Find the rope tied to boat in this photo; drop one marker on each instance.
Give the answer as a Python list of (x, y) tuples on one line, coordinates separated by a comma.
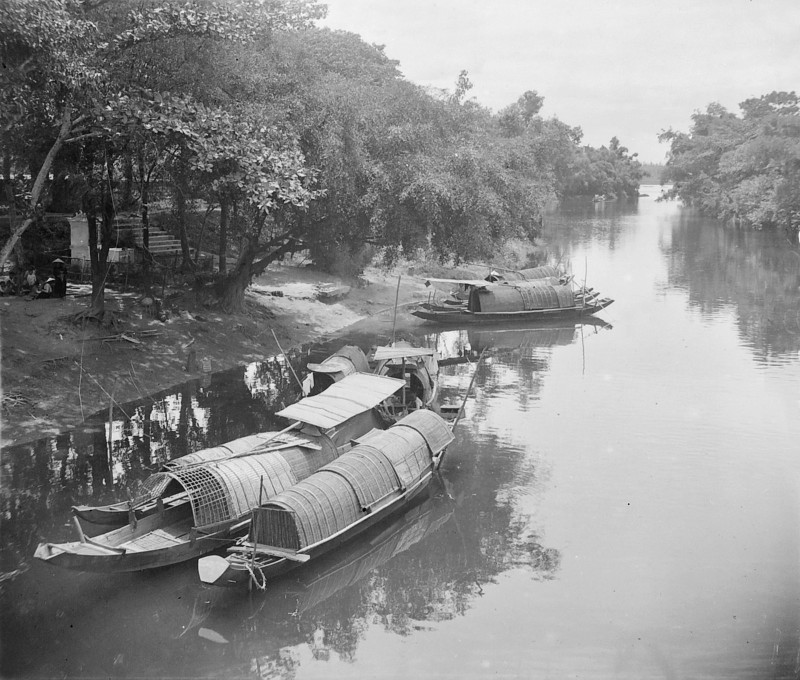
[(259, 581)]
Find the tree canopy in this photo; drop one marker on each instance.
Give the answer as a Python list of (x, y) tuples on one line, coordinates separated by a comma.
[(294, 137), (742, 167)]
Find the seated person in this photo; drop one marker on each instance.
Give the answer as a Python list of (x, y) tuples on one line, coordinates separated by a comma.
[(29, 281), (6, 285), (46, 290)]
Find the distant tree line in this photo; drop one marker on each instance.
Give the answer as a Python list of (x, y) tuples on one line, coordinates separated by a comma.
[(283, 136), (608, 171), (743, 167)]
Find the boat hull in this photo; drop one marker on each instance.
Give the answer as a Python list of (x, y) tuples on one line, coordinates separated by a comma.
[(463, 316), (78, 556), (220, 571)]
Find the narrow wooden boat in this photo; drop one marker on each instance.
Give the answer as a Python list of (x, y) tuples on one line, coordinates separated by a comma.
[(417, 367), (340, 569), (523, 301), (376, 479), (198, 507), (458, 290)]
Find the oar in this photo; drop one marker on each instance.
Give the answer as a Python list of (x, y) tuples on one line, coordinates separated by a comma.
[(268, 439), (286, 358), (463, 403), (469, 389), (396, 299)]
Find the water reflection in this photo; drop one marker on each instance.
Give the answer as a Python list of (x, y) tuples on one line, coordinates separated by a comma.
[(757, 272), (603, 505), (427, 567)]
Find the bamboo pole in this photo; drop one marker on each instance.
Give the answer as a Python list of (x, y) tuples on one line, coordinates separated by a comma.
[(286, 358), (396, 300)]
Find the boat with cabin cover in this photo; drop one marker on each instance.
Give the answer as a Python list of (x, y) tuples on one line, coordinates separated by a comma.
[(199, 507), (458, 289), (522, 301), (306, 589), (377, 478)]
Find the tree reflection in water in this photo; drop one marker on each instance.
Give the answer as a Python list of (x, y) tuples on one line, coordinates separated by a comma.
[(427, 568)]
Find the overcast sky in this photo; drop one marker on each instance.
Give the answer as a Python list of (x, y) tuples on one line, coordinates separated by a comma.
[(629, 68)]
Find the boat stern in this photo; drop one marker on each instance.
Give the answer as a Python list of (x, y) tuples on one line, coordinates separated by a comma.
[(215, 570)]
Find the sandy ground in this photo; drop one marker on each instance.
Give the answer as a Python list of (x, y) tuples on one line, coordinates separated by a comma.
[(56, 373)]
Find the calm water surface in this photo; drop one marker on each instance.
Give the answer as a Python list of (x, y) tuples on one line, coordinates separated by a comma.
[(622, 500)]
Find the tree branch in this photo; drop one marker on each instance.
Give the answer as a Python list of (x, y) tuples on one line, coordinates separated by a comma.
[(41, 177)]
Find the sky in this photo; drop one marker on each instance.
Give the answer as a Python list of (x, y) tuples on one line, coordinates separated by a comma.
[(624, 68)]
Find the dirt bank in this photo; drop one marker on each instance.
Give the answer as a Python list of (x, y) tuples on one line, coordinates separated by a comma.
[(56, 373)]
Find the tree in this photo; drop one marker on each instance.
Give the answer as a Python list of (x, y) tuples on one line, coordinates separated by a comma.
[(62, 65), (741, 167), (46, 82)]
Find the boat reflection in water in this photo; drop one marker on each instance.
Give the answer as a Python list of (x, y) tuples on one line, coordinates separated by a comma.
[(465, 345), (311, 586)]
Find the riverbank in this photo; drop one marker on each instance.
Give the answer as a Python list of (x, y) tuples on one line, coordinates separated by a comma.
[(55, 373)]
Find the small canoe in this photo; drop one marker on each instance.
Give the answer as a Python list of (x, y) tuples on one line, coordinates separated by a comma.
[(376, 479), (199, 507)]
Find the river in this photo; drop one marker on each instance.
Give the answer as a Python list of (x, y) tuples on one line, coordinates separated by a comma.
[(622, 499)]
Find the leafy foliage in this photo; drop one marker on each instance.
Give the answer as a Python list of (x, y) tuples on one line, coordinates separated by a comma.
[(607, 171), (304, 138), (741, 167)]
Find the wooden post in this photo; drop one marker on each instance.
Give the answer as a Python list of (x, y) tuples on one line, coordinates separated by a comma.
[(78, 526), (396, 298)]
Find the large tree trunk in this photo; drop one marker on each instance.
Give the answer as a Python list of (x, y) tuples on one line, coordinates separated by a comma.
[(235, 284), (144, 195), (224, 218), (180, 191), (12, 211), (99, 256), (38, 185)]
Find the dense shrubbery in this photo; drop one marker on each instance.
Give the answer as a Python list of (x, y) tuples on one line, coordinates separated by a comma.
[(607, 171), (742, 167)]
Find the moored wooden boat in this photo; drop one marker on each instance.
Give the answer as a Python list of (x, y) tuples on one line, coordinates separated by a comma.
[(458, 289), (523, 301), (330, 574), (373, 481), (200, 506)]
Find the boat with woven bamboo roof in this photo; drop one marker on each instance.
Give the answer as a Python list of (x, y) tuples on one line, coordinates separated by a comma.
[(324, 577), (458, 289), (517, 301), (380, 476), (199, 506)]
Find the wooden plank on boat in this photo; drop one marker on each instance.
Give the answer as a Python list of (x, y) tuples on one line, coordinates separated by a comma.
[(343, 400), (271, 551), (385, 353)]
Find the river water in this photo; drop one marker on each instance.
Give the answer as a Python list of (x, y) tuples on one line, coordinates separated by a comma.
[(622, 499)]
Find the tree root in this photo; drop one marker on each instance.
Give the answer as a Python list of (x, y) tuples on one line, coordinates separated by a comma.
[(105, 318)]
